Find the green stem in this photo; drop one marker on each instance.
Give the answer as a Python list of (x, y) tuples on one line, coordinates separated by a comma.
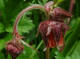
[(26, 44), (36, 49)]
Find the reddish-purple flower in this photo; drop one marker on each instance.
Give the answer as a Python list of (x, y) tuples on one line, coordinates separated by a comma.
[(53, 33), (15, 47), (59, 14), (53, 30)]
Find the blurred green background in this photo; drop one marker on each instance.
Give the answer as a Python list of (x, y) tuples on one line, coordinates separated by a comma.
[(9, 9)]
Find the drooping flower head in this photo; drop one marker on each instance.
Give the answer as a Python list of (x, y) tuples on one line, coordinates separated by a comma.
[(15, 47), (53, 29), (59, 14)]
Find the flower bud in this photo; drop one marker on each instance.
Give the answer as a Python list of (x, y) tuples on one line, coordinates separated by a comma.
[(14, 48)]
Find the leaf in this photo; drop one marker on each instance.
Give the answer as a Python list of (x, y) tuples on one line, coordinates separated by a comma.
[(73, 37), (27, 53), (2, 56), (59, 56), (24, 26), (4, 41), (11, 9), (1, 4), (1, 28), (75, 54), (44, 1)]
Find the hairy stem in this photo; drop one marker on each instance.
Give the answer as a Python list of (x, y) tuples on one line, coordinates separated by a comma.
[(13, 57), (72, 2), (15, 30), (71, 5), (27, 45), (47, 53)]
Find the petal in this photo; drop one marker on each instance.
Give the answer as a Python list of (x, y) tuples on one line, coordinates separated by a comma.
[(60, 45), (51, 41)]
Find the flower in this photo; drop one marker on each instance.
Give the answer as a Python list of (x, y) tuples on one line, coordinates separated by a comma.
[(59, 14), (53, 29), (14, 48), (53, 33)]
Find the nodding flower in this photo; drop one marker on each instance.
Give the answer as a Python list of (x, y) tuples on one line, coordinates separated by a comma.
[(53, 29), (14, 48), (59, 14), (53, 33)]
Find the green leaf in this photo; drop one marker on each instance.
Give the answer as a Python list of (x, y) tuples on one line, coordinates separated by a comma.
[(4, 41), (75, 53), (1, 28), (27, 53), (72, 39), (24, 26), (59, 56), (2, 56), (44, 1), (1, 4)]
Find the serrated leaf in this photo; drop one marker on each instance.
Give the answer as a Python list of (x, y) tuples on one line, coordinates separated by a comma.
[(59, 56), (1, 4), (24, 26), (4, 41), (27, 53)]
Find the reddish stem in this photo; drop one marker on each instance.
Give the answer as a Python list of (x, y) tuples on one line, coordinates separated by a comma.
[(15, 28), (48, 53), (72, 2), (13, 57), (71, 5)]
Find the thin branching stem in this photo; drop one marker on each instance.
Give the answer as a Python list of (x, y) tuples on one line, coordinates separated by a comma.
[(26, 44)]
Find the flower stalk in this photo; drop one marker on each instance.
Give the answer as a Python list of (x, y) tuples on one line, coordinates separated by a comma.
[(48, 53), (72, 2), (34, 6)]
